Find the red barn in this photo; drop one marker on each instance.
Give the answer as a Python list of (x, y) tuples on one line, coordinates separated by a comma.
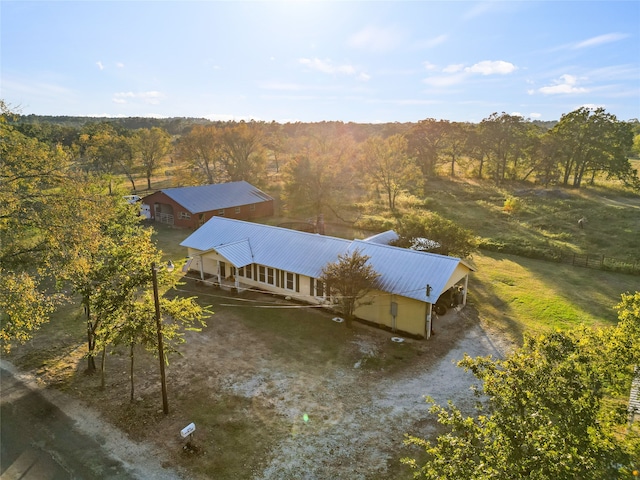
[(191, 207)]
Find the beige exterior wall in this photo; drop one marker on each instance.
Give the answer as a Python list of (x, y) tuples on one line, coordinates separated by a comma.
[(411, 314)]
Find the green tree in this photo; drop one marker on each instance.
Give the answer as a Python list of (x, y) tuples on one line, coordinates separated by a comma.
[(455, 144), (388, 166), (115, 244), (506, 139), (426, 141), (592, 141), (544, 411), (37, 198), (242, 153), (349, 279), (152, 146), (431, 232), (133, 322), (200, 151), (318, 177)]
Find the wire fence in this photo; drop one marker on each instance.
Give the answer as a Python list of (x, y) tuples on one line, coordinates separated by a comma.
[(601, 262)]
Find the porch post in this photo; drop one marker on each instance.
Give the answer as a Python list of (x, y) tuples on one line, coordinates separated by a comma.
[(429, 308), (466, 285), (219, 277), (201, 267)]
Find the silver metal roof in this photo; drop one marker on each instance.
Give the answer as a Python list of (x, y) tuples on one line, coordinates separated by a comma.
[(238, 253), (384, 238), (402, 271), (205, 198)]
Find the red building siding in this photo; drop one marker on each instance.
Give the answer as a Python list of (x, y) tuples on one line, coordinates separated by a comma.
[(169, 211)]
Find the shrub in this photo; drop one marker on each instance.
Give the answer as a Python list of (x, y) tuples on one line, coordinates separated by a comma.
[(511, 205)]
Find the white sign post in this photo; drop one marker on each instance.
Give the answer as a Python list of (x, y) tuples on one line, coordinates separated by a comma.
[(188, 431)]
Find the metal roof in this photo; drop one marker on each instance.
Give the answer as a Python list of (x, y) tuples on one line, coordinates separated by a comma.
[(384, 238), (408, 272), (402, 271), (290, 250), (238, 253), (205, 198)]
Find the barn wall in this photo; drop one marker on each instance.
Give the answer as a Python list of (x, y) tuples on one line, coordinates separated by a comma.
[(180, 214)]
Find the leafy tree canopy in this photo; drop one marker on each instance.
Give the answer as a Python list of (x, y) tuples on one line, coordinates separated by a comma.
[(431, 232), (546, 411), (349, 279)]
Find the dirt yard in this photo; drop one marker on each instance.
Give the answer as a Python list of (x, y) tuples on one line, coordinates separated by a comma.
[(262, 415)]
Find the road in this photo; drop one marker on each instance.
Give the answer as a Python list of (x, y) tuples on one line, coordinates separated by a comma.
[(40, 442)]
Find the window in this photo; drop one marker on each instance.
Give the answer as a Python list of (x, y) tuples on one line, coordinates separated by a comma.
[(289, 284), (320, 289), (221, 212), (237, 210), (270, 276), (261, 274), (241, 272), (249, 271), (184, 216), (252, 208)]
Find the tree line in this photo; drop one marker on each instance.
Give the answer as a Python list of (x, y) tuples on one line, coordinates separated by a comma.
[(320, 165)]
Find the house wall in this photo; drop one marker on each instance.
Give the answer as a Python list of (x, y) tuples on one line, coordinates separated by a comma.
[(185, 219), (411, 314)]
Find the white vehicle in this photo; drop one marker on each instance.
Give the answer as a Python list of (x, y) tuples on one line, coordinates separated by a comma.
[(132, 199)]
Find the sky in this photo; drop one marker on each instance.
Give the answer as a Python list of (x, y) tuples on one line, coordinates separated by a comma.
[(350, 61)]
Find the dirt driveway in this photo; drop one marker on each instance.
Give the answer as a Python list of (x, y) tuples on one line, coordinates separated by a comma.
[(260, 417)]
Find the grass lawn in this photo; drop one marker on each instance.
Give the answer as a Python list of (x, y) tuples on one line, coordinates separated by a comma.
[(518, 295)]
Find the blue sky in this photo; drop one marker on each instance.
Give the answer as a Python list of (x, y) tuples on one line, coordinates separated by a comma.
[(360, 61)]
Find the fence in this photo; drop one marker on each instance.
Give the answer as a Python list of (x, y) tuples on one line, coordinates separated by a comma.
[(601, 262)]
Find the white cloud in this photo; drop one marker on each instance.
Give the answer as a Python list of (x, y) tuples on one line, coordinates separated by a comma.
[(100, 65), (457, 72), (151, 97), (120, 65), (592, 106), (535, 115), (430, 66), (326, 66), (376, 39), (601, 39), (565, 84), (453, 68), (488, 67)]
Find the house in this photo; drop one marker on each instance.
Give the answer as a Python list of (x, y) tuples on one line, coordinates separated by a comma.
[(191, 207), (286, 262)]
